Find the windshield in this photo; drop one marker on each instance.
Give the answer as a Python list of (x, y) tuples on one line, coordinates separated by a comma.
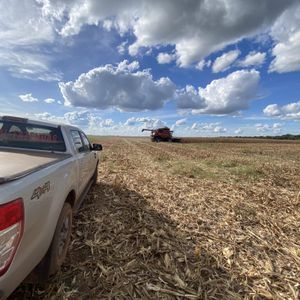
[(30, 136)]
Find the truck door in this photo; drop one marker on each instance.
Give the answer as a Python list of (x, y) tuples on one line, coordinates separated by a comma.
[(83, 158), (92, 156)]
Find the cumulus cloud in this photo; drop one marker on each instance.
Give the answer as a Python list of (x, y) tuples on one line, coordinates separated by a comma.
[(222, 96), (28, 98), (122, 48), (77, 117), (84, 119), (238, 131), (209, 127), (123, 87), (202, 64), (45, 116), (190, 98), (165, 58), (151, 122), (275, 128), (253, 59), (180, 122), (286, 33), (223, 62), (144, 122), (49, 100), (130, 122), (288, 111), (107, 123), (272, 110), (195, 29)]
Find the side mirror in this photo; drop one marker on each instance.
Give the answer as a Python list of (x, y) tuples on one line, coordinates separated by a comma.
[(97, 147)]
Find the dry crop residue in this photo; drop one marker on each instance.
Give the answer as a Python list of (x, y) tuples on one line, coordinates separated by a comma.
[(186, 221)]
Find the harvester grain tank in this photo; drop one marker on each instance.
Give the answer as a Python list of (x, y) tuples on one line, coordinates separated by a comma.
[(163, 134)]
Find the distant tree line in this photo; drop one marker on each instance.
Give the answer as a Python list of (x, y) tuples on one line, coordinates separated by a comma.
[(277, 137)]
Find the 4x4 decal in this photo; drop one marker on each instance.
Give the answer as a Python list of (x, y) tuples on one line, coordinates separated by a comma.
[(39, 191)]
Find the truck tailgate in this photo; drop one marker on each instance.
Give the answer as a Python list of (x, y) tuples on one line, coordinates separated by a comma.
[(15, 164)]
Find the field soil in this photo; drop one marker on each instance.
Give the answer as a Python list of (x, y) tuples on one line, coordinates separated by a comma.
[(202, 220)]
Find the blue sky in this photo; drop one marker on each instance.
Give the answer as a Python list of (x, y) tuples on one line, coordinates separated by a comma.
[(113, 67)]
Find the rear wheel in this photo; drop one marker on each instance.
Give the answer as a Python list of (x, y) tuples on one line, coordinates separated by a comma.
[(61, 240), (57, 251)]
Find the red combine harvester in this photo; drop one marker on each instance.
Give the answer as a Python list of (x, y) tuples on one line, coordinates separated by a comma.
[(163, 134)]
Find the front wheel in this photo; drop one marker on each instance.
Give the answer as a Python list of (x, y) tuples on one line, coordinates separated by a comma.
[(95, 176)]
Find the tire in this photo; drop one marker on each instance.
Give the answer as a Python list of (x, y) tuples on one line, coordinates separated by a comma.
[(61, 240), (55, 255), (95, 176)]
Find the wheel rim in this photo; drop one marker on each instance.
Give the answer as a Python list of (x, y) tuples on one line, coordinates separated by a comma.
[(63, 236)]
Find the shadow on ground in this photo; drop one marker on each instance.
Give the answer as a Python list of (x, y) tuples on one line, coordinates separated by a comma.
[(123, 249)]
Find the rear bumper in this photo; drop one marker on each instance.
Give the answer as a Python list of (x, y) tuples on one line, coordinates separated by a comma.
[(12, 279), (8, 285)]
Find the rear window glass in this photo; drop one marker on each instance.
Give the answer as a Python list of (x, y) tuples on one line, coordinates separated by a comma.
[(25, 135)]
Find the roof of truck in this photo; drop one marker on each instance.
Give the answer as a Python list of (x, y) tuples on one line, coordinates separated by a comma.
[(36, 122)]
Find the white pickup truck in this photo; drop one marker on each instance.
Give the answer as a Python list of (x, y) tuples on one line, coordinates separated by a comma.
[(46, 171)]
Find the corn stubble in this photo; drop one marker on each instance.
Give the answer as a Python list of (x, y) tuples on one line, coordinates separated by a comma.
[(150, 230)]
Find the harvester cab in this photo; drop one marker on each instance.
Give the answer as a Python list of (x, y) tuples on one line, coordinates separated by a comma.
[(163, 134)]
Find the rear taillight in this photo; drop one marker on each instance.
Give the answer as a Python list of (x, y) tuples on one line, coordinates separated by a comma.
[(11, 230)]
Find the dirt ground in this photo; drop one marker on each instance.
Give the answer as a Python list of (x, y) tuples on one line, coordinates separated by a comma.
[(185, 221)]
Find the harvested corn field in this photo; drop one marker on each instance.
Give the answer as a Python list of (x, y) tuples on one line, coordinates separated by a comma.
[(185, 221)]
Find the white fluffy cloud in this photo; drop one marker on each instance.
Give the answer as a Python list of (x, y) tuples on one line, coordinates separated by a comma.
[(253, 59), (272, 110), (222, 96), (84, 119), (190, 98), (122, 47), (107, 123), (28, 98), (209, 127), (238, 131), (180, 122), (165, 58), (144, 122), (49, 101), (288, 111), (78, 118), (276, 127), (128, 89), (286, 33), (130, 122), (151, 122), (202, 64), (123, 87), (196, 28), (223, 62)]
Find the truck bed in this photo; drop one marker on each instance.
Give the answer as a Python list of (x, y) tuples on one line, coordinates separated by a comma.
[(15, 164)]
